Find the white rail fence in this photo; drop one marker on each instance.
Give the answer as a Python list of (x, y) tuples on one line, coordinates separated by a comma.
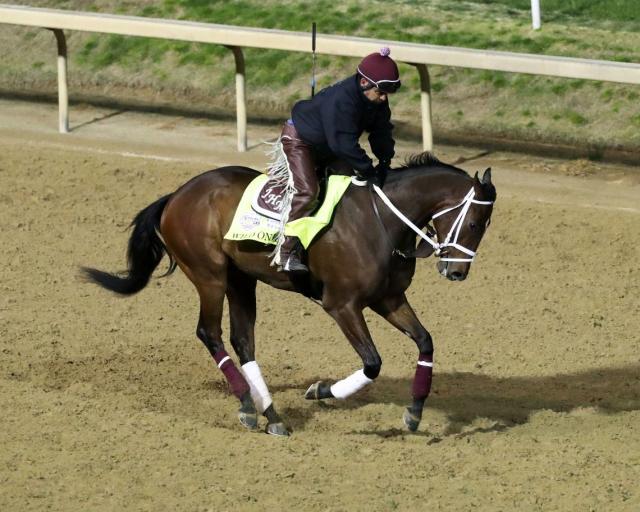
[(236, 38)]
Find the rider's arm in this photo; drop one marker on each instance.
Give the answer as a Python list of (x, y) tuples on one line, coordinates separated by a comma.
[(339, 120), (380, 136)]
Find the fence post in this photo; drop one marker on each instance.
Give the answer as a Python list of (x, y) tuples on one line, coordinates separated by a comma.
[(425, 107), (63, 92), (241, 102), (535, 14)]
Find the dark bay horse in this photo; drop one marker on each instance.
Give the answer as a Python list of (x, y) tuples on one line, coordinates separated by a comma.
[(365, 259)]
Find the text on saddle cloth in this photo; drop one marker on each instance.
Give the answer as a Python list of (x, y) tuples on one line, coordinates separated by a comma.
[(269, 200), (259, 212)]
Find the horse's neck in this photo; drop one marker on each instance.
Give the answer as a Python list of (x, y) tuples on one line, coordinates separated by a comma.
[(419, 196)]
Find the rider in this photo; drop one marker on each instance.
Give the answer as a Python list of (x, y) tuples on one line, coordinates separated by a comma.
[(330, 124)]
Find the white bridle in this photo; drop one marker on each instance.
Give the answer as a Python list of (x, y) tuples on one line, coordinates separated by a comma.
[(451, 239)]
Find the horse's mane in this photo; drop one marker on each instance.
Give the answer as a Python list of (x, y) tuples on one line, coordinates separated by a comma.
[(428, 160), (422, 163)]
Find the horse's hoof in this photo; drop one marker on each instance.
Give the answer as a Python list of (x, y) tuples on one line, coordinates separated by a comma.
[(312, 392), (277, 429), (411, 421), (248, 419), (318, 391)]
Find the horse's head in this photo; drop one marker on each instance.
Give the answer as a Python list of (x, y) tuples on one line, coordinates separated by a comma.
[(460, 228)]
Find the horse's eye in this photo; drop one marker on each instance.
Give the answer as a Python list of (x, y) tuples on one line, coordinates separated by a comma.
[(473, 225)]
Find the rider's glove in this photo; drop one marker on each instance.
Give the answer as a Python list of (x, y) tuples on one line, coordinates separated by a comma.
[(381, 171), (366, 174)]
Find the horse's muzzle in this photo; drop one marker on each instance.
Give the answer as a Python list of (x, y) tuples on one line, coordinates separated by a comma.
[(452, 274)]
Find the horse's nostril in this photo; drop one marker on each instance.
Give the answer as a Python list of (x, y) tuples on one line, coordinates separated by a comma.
[(457, 276)]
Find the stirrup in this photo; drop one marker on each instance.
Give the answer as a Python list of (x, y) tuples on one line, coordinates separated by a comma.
[(293, 264)]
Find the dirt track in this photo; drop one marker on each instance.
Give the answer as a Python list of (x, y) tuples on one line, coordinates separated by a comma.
[(113, 404)]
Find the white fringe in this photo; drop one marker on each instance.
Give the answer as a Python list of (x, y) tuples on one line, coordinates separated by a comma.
[(280, 174)]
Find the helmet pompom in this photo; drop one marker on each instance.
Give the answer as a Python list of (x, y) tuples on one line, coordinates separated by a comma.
[(385, 51)]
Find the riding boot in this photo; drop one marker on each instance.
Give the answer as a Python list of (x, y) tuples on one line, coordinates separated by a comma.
[(291, 255), (302, 172)]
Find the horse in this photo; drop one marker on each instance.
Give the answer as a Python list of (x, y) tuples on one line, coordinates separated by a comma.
[(365, 258)]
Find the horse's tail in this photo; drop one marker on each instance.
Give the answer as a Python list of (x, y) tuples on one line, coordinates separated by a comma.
[(144, 253)]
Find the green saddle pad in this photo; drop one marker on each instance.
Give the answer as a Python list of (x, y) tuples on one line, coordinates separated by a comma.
[(248, 224)]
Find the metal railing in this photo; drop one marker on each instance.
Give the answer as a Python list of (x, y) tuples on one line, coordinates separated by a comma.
[(236, 38)]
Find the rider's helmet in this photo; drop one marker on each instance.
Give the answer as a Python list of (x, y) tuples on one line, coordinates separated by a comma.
[(380, 70)]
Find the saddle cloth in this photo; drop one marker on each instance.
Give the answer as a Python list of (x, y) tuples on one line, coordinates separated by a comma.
[(258, 216), (269, 200)]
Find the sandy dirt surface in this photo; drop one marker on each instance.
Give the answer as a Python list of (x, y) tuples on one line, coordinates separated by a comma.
[(113, 404)]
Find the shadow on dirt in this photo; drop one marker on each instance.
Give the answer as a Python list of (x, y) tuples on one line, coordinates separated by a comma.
[(463, 397), (510, 401), (98, 119)]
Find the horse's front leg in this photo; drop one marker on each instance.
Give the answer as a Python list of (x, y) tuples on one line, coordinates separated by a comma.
[(350, 319), (398, 312)]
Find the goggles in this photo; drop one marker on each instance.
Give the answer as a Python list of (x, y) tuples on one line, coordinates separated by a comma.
[(388, 86)]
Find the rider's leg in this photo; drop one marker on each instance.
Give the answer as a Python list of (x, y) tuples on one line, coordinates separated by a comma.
[(305, 182)]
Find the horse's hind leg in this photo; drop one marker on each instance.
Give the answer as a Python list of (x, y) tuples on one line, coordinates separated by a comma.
[(192, 230), (241, 293), (211, 286)]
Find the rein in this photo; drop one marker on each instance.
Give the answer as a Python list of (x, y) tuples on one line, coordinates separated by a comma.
[(454, 231), (394, 250)]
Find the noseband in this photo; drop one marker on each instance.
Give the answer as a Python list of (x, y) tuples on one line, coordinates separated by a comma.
[(451, 239)]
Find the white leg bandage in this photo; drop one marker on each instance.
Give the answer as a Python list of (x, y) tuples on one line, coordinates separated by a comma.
[(347, 387), (258, 387)]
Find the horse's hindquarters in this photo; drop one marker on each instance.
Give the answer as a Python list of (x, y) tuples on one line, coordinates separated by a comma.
[(199, 213)]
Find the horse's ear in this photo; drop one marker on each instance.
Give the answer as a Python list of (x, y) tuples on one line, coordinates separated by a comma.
[(424, 250), (475, 178), (486, 177)]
